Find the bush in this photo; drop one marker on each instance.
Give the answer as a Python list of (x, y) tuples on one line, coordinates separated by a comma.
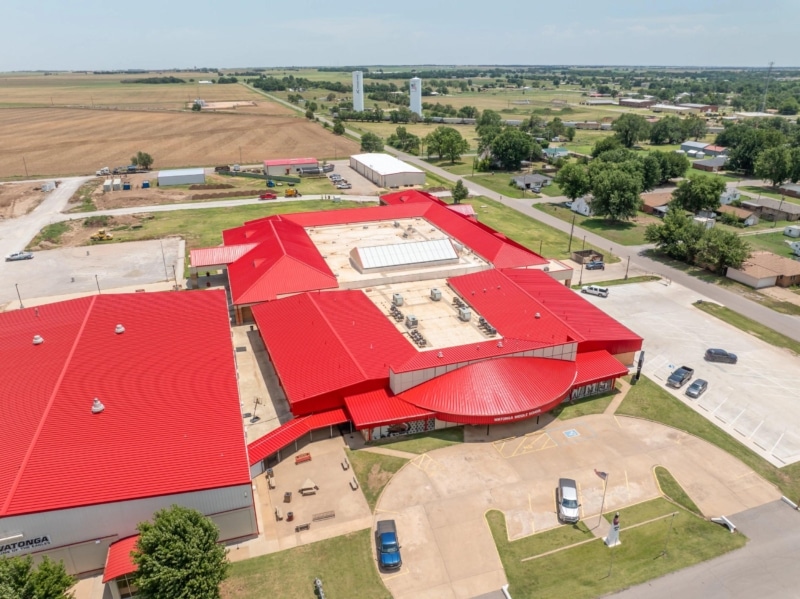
[(96, 221)]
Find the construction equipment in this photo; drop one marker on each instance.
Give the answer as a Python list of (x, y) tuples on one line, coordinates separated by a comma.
[(292, 193), (101, 235)]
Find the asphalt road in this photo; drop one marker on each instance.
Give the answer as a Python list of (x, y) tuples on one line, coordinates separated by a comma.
[(766, 567)]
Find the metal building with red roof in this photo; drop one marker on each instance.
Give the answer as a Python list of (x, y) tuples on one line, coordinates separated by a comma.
[(114, 415)]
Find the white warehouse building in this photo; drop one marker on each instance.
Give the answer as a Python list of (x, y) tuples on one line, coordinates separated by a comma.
[(182, 176), (387, 171)]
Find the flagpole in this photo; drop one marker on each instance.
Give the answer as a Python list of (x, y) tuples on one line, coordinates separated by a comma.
[(603, 502)]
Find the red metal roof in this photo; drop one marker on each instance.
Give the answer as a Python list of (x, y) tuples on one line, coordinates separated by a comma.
[(290, 431), (596, 366), (714, 149), (290, 161), (343, 334), (119, 560), (285, 260), (462, 209), (380, 408), (223, 254), (494, 391), (596, 328), (64, 456), (409, 196)]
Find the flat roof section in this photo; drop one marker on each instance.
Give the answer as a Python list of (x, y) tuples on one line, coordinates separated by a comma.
[(405, 254), (438, 320), (383, 164), (335, 243)]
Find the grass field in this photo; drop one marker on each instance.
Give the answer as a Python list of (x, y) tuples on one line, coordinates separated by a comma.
[(648, 400), (673, 490), (344, 564), (65, 141), (595, 404), (772, 242), (623, 232), (588, 570), (531, 233), (749, 325), (373, 471), (614, 282)]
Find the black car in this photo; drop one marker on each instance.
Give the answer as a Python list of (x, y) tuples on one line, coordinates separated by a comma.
[(720, 355), (595, 265)]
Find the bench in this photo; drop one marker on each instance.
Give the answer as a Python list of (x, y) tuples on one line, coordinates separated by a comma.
[(345, 465), (278, 514), (308, 491), (271, 483), (302, 457), (323, 516), (354, 484), (300, 527)]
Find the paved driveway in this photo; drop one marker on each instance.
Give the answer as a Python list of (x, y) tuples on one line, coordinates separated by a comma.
[(439, 500), (754, 400)]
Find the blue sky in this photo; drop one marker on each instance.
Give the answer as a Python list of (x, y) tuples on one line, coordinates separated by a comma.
[(90, 34)]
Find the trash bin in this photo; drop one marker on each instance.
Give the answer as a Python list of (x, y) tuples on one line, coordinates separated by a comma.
[(289, 516), (287, 497)]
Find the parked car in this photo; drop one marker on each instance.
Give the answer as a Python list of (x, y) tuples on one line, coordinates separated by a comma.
[(268, 196), (567, 500), (13, 257), (720, 355), (697, 388), (388, 545), (680, 376), (595, 265), (344, 186), (595, 290)]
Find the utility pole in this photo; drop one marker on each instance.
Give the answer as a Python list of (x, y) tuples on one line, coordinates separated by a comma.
[(97, 282), (19, 296), (26, 166), (164, 260), (571, 230), (175, 276), (627, 267)]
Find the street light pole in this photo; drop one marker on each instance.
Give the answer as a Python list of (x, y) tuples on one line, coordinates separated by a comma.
[(603, 503), (164, 260), (580, 281), (627, 267), (19, 296), (97, 282)]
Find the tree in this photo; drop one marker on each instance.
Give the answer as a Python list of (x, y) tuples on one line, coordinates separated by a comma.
[(651, 172), (694, 126), (446, 142), (338, 127), (310, 114), (197, 107), (668, 130), (774, 165), (672, 164), (750, 143), (718, 249), (142, 159), (371, 143), (404, 141), (616, 193), (20, 579), (789, 106), (511, 147), (178, 556), (794, 172), (570, 133), (460, 192), (700, 193), (605, 145), (573, 179), (630, 128), (678, 237)]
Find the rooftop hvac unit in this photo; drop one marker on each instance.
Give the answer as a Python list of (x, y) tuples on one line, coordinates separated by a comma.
[(464, 314), (397, 299), (436, 294), (458, 247), (411, 321)]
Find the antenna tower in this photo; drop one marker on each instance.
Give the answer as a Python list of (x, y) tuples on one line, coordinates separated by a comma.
[(766, 87)]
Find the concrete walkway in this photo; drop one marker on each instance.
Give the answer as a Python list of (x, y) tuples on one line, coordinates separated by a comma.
[(406, 455)]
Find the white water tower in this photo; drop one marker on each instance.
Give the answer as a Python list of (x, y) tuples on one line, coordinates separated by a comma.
[(415, 86), (358, 91)]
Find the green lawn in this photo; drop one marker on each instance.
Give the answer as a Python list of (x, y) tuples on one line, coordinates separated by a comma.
[(768, 193), (51, 233), (673, 490), (425, 442), (772, 242), (529, 232), (613, 282), (749, 325), (588, 570), (642, 512), (622, 232), (538, 543), (344, 564), (648, 400), (596, 404), (373, 471), (552, 190)]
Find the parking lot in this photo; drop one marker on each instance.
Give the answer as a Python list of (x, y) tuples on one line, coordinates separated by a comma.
[(754, 400), (361, 185), (69, 271)]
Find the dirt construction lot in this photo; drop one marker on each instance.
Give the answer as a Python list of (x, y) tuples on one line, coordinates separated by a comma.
[(439, 499), (17, 199), (62, 141)]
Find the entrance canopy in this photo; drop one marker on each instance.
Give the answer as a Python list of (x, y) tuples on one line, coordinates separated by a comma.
[(378, 408), (496, 391), (119, 560)]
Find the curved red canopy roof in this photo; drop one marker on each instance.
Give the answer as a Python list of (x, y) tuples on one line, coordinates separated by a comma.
[(494, 391)]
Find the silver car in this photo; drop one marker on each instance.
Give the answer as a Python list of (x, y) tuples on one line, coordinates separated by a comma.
[(567, 499), (697, 388), (19, 256)]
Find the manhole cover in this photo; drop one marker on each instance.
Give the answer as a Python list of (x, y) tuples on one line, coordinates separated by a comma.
[(571, 433), (241, 348)]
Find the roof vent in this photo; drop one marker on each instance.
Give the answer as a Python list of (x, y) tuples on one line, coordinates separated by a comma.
[(97, 406), (440, 355), (499, 344), (546, 269), (396, 224), (119, 329), (38, 340), (537, 315)]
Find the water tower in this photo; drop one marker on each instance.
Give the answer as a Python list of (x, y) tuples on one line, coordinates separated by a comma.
[(358, 91), (415, 86)]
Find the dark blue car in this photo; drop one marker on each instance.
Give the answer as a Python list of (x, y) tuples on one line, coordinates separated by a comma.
[(596, 265)]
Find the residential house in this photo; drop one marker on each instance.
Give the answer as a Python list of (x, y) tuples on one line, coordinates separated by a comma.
[(773, 210), (713, 150), (693, 146), (765, 269), (730, 195), (531, 181), (744, 216), (656, 203), (582, 205), (792, 231), (711, 165), (791, 190)]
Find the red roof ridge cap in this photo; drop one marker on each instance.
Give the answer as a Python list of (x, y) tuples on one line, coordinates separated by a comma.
[(338, 337), (46, 411), (577, 337)]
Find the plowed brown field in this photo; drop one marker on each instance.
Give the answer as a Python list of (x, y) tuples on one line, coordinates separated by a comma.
[(67, 141)]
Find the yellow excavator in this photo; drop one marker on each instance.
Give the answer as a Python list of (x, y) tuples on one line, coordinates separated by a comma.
[(101, 235)]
